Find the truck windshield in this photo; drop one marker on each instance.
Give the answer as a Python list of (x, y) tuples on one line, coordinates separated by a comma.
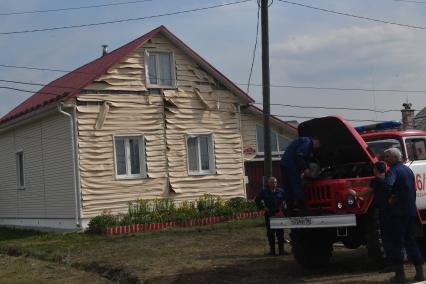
[(378, 146)]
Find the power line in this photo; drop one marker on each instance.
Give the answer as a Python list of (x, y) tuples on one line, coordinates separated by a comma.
[(339, 89), (39, 69), (73, 8), (125, 20), (254, 48), (411, 1), (242, 84), (355, 16), (205, 99), (335, 108)]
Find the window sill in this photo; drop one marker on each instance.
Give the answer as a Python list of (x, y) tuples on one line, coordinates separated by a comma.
[(20, 188), (201, 173), (131, 177), (161, 87)]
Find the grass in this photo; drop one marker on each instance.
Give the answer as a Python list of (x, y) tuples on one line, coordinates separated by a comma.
[(232, 252)]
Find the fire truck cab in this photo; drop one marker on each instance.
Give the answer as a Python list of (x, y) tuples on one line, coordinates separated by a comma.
[(346, 160)]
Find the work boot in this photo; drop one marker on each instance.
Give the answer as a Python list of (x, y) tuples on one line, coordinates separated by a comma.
[(281, 250), (272, 251), (419, 272), (399, 275)]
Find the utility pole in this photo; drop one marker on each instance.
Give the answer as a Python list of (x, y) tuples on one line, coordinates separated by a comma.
[(267, 170)]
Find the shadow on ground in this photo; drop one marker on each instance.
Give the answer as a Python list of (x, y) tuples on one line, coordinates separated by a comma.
[(347, 266)]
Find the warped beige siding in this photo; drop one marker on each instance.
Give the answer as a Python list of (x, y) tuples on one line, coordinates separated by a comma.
[(198, 105), (48, 171), (127, 115)]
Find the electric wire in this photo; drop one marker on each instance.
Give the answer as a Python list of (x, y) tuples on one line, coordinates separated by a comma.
[(355, 16), (241, 84), (205, 99), (72, 8), (254, 48), (126, 20)]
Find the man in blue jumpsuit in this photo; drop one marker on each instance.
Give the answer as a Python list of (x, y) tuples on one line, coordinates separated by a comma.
[(271, 199), (294, 165), (400, 183)]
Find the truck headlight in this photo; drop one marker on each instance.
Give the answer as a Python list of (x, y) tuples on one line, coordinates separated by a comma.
[(350, 200), (339, 205)]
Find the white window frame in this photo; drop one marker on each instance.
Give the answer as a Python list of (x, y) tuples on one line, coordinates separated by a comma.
[(142, 157), (405, 145), (212, 161), (20, 175), (277, 141), (172, 66)]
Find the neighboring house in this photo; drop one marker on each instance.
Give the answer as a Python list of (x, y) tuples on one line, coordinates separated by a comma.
[(420, 120), (282, 133), (151, 119)]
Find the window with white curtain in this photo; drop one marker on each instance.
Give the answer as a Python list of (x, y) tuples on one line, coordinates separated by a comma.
[(129, 157), (278, 143), (200, 154), (160, 68)]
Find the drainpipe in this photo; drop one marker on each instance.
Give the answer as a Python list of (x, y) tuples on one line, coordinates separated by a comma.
[(76, 181), (242, 148)]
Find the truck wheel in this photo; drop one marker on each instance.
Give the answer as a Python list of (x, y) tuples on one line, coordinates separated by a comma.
[(311, 248), (373, 238)]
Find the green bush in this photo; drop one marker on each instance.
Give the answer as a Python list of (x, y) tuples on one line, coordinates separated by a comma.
[(100, 222), (207, 204), (165, 210)]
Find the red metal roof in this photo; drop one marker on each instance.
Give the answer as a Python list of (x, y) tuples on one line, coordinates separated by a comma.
[(71, 84), (259, 110)]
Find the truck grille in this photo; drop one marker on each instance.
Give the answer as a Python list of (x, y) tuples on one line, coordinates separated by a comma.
[(318, 197), (318, 193)]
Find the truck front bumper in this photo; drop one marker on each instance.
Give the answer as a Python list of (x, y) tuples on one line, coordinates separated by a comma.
[(326, 221)]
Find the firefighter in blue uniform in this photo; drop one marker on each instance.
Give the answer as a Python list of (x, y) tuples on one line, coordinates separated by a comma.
[(294, 166), (271, 199), (400, 183)]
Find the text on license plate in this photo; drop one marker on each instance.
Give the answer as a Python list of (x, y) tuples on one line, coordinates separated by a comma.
[(300, 220)]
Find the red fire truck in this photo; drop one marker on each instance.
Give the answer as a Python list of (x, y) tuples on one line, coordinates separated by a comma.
[(346, 161)]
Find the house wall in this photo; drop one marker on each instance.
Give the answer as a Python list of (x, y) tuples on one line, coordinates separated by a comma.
[(129, 115), (198, 105), (49, 190), (249, 121)]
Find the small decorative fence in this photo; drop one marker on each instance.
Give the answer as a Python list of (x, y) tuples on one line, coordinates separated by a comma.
[(135, 228)]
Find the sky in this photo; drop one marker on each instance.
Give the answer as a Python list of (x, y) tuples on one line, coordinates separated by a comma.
[(378, 62)]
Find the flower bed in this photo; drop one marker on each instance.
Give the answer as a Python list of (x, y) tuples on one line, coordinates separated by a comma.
[(157, 214), (135, 228)]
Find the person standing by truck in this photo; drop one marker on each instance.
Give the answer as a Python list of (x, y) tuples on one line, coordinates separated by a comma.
[(271, 200), (294, 166), (400, 183), (377, 185)]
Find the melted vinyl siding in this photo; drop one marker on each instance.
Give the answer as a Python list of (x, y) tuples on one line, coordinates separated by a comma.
[(128, 115), (191, 116), (194, 109), (48, 172), (141, 114)]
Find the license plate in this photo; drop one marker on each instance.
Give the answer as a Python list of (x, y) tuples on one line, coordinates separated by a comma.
[(300, 221)]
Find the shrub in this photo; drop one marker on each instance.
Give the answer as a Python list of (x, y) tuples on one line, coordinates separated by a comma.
[(207, 204), (100, 222), (240, 204)]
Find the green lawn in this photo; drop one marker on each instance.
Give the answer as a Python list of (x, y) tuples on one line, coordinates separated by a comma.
[(232, 252)]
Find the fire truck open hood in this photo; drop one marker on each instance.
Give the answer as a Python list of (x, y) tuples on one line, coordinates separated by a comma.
[(340, 143)]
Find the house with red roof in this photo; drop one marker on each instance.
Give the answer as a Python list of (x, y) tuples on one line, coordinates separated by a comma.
[(148, 120)]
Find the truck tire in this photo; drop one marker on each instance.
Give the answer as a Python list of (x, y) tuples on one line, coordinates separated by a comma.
[(373, 238), (311, 248)]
